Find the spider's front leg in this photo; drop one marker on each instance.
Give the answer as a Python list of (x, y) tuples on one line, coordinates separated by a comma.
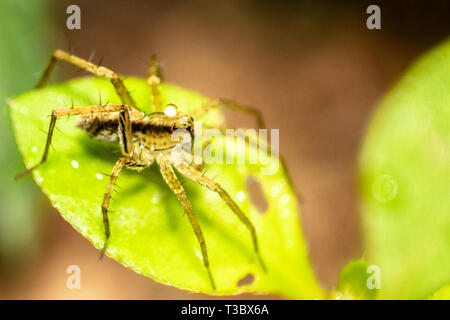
[(174, 184), (106, 199), (196, 176), (125, 161), (99, 71), (125, 137), (124, 124)]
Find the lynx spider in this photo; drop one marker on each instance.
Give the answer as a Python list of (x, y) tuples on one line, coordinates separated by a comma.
[(145, 139)]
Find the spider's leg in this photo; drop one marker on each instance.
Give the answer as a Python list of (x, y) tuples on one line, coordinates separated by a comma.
[(198, 177), (107, 197), (154, 80), (230, 104), (124, 126), (258, 143), (99, 71), (174, 184), (193, 160)]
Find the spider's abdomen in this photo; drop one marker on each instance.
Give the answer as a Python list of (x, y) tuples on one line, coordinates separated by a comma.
[(147, 133), (104, 128)]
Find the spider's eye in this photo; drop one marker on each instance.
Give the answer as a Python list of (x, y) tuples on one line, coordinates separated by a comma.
[(170, 110)]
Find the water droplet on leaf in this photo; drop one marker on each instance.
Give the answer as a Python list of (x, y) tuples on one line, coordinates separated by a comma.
[(384, 188)]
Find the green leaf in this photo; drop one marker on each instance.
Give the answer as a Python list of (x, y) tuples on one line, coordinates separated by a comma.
[(21, 211), (149, 232), (405, 179), (354, 282), (442, 294)]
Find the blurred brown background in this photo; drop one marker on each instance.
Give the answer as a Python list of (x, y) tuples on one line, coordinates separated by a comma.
[(312, 67)]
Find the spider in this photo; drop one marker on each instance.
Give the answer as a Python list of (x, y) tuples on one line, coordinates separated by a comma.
[(144, 139)]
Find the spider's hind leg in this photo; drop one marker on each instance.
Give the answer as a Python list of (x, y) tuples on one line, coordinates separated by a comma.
[(99, 71)]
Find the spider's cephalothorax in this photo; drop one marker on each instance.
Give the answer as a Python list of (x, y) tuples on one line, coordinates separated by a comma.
[(144, 139)]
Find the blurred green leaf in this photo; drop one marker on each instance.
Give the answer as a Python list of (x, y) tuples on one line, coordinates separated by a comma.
[(405, 180), (442, 294), (353, 282), (24, 27), (149, 232)]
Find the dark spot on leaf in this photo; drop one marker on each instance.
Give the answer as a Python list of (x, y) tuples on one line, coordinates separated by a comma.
[(255, 192), (246, 280)]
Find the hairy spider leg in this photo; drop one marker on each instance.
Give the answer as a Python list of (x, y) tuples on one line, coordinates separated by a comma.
[(106, 199), (230, 104), (99, 71), (169, 176), (154, 80), (124, 161), (196, 176)]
